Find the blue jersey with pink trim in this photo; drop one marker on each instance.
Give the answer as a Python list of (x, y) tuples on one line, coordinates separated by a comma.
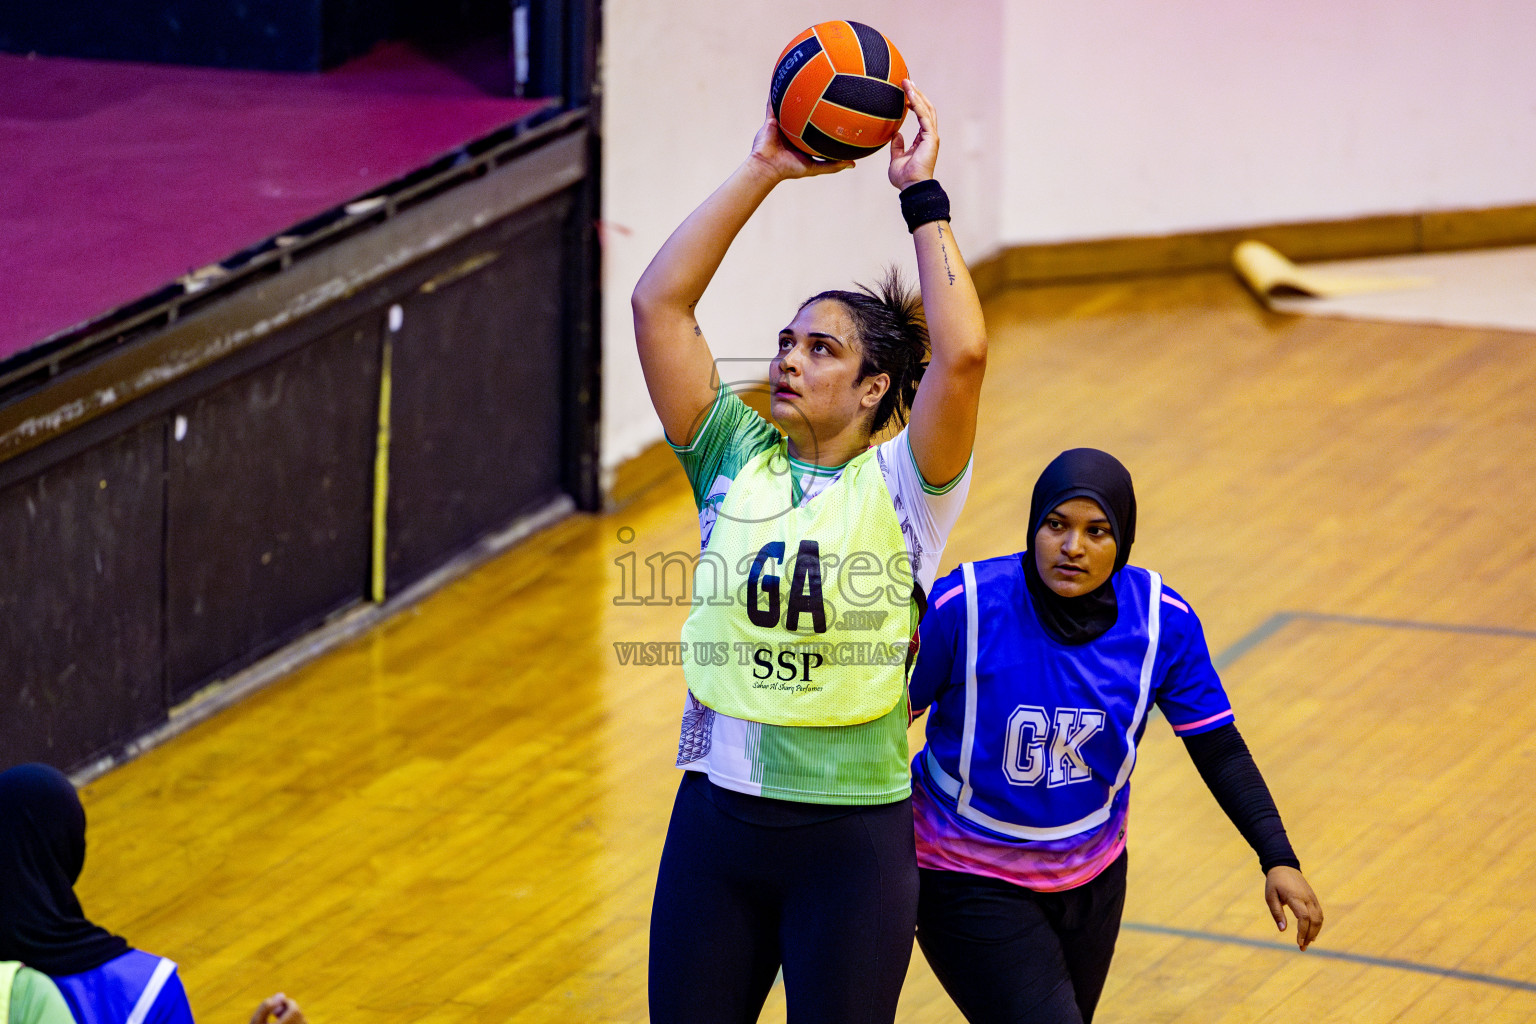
[(1030, 742)]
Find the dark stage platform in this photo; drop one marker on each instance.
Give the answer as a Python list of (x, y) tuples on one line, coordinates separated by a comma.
[(120, 178), (279, 352)]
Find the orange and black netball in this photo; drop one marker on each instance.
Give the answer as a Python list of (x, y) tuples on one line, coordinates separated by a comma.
[(836, 90)]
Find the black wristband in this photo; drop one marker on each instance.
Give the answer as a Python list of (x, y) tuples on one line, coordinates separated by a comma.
[(924, 202)]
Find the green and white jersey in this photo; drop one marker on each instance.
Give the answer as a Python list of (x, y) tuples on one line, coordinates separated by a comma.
[(29, 997), (865, 763)]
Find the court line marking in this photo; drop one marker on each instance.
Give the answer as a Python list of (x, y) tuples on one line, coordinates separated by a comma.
[(1278, 621), (1255, 638), (1332, 954)]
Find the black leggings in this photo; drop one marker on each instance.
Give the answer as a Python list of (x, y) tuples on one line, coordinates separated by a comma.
[(1008, 955), (828, 892)]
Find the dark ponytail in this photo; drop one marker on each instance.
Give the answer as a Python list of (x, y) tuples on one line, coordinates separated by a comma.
[(893, 339)]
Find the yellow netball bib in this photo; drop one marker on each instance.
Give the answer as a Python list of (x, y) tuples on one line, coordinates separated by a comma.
[(801, 613)]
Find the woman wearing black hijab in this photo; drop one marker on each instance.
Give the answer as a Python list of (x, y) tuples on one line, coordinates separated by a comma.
[(102, 978), (1040, 668)]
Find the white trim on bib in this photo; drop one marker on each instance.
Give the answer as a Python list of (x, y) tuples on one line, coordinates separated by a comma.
[(163, 971)]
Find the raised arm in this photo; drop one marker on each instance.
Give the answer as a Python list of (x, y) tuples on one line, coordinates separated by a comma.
[(678, 366), (942, 426)]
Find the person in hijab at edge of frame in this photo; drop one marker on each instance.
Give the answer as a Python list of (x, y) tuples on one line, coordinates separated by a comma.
[(1041, 667), (102, 978)]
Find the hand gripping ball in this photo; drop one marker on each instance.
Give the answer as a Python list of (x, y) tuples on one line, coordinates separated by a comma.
[(836, 90)]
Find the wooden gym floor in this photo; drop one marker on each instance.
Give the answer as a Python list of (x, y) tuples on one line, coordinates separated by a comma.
[(458, 817)]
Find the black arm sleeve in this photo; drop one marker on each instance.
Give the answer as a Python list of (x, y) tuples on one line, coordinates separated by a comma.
[(1227, 767)]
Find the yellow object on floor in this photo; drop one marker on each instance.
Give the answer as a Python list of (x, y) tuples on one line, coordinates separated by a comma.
[(1272, 276), (1490, 288)]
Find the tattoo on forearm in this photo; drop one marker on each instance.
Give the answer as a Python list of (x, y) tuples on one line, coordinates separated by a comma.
[(944, 250), (698, 332)]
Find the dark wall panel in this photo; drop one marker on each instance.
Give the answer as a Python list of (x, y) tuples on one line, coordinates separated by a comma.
[(187, 534), (269, 505), (80, 592), (476, 412), (276, 34)]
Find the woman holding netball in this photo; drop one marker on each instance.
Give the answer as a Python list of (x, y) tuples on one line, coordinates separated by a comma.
[(790, 843), (1041, 667)]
